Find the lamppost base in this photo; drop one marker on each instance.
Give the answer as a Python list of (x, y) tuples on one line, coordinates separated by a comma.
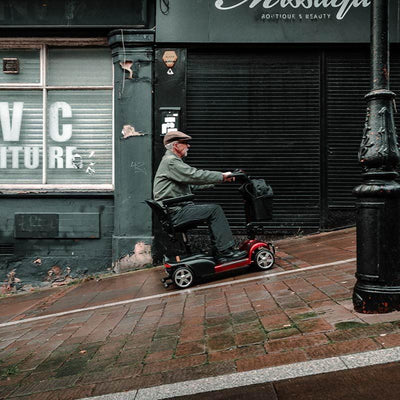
[(372, 299)]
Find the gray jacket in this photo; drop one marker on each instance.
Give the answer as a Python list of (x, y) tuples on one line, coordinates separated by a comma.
[(175, 178)]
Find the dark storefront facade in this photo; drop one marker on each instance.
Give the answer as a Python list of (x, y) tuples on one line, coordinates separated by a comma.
[(76, 138), (87, 91), (275, 88)]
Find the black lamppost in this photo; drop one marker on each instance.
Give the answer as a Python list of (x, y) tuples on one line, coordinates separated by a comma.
[(378, 207)]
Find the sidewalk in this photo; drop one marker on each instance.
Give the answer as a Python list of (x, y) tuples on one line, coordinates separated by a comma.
[(290, 314)]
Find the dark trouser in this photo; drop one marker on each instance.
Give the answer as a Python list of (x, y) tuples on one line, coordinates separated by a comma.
[(215, 218)]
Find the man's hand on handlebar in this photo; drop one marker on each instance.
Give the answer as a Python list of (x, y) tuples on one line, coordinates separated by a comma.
[(227, 177)]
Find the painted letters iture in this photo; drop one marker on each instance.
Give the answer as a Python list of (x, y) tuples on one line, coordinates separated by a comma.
[(11, 155)]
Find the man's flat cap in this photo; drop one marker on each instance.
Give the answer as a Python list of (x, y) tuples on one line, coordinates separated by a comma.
[(172, 136)]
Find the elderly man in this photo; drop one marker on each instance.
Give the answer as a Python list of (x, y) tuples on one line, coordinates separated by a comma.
[(175, 178)]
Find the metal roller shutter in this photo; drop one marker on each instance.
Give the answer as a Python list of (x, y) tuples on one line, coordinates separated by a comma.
[(347, 84), (259, 112), (348, 74)]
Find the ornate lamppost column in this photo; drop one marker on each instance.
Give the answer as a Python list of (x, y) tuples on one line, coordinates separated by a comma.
[(378, 207)]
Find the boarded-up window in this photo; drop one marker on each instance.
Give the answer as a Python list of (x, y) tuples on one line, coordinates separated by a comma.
[(56, 118)]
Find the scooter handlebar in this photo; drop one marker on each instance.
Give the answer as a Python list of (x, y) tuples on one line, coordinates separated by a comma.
[(239, 174)]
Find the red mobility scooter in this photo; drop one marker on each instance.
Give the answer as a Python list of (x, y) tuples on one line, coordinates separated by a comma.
[(184, 270)]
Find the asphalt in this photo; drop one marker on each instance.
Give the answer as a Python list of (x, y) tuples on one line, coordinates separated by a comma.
[(128, 336)]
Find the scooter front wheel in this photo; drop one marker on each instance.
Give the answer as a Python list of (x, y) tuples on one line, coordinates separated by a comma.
[(183, 277), (264, 259)]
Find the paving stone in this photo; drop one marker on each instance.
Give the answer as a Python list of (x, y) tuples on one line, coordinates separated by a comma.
[(217, 312), (270, 360), (276, 287), (196, 334), (340, 348), (388, 340), (218, 321), (71, 367), (46, 385), (275, 310), (282, 333), (314, 325), (241, 308), (35, 377), (163, 344), (302, 313), (199, 372), (170, 321), (166, 331), (110, 349), (220, 342), (96, 365), (236, 353), (36, 396), (255, 292), (132, 356), (77, 392), (313, 295), (155, 307), (144, 328), (188, 322), (123, 385), (250, 337), (244, 317), (219, 329), (379, 318), (247, 326), (277, 321), (159, 356), (93, 322), (138, 340), (12, 380), (179, 363), (111, 374), (361, 331), (51, 364), (299, 341), (190, 348), (125, 326), (265, 305)]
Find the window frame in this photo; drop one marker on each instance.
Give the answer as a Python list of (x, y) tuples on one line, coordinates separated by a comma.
[(42, 46)]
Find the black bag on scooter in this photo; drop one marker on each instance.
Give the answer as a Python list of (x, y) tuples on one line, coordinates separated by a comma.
[(258, 196)]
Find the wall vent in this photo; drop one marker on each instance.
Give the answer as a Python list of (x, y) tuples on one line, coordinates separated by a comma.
[(6, 249)]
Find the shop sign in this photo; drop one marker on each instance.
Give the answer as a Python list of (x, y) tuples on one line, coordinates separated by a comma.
[(272, 21), (340, 8), (60, 156)]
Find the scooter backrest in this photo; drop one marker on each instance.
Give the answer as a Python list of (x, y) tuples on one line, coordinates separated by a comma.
[(161, 214)]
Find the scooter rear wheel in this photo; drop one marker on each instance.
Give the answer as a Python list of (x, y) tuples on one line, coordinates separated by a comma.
[(264, 259), (183, 277)]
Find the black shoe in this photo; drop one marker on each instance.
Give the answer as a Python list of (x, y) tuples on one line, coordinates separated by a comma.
[(231, 255)]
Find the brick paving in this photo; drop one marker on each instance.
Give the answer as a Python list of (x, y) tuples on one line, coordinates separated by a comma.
[(241, 326)]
